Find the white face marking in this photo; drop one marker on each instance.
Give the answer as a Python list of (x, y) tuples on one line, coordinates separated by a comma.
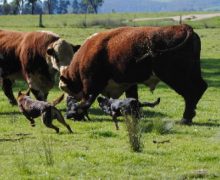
[(63, 54), (62, 68)]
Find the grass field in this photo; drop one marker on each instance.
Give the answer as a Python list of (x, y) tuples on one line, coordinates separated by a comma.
[(96, 150)]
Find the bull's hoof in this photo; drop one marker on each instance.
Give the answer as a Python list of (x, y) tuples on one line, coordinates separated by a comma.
[(13, 102), (186, 121)]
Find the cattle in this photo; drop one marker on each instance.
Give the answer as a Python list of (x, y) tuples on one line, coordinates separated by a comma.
[(116, 60), (34, 57)]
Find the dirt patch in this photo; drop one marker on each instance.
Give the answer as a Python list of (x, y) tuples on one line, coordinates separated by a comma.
[(189, 17)]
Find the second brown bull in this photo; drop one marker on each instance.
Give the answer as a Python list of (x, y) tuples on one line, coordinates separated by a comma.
[(34, 57)]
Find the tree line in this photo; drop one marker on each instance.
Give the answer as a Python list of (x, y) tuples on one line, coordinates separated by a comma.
[(49, 6)]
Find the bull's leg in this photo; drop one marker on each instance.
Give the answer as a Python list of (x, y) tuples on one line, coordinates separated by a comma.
[(191, 99), (7, 89), (132, 92), (39, 95)]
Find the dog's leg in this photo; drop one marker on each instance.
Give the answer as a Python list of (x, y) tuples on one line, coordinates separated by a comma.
[(57, 114), (27, 116), (116, 122), (47, 120), (87, 116)]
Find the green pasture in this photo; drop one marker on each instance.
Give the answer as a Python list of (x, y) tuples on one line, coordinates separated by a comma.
[(96, 150)]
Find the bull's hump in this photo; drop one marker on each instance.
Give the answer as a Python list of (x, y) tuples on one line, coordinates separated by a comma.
[(49, 33)]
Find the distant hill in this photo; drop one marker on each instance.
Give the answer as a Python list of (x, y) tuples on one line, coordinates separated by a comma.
[(159, 5)]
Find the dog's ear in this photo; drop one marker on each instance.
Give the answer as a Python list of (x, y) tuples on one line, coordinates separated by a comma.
[(28, 92), (100, 99), (19, 93)]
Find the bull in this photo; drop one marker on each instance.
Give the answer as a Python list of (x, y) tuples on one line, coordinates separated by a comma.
[(34, 57), (115, 61)]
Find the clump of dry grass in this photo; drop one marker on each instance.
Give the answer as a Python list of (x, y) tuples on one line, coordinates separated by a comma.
[(134, 132)]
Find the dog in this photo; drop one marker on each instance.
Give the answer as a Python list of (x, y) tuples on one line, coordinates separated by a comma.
[(33, 108), (73, 111), (118, 107)]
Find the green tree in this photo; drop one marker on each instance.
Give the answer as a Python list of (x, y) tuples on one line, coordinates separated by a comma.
[(75, 7), (17, 6), (63, 6), (50, 6), (92, 5), (32, 3), (6, 7)]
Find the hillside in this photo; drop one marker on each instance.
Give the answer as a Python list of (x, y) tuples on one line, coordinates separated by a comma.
[(159, 5)]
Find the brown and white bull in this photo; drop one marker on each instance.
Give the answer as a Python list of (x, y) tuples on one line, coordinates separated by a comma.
[(33, 56), (115, 61)]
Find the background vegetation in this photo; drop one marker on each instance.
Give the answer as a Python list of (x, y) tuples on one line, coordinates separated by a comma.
[(97, 149)]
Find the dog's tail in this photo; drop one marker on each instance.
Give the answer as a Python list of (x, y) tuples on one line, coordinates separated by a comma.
[(150, 104), (58, 100)]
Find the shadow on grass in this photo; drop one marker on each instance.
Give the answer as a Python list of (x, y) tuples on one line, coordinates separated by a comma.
[(207, 124), (11, 113), (103, 117), (211, 71), (21, 136)]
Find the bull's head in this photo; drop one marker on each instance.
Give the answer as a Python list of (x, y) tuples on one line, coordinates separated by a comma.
[(71, 85), (60, 53)]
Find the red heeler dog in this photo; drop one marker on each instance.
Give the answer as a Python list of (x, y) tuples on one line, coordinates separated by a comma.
[(34, 108)]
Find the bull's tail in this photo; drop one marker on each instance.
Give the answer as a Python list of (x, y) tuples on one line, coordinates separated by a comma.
[(189, 32), (58, 100), (155, 52), (149, 104)]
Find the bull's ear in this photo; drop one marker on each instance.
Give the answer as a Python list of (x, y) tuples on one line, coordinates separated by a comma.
[(75, 47), (50, 51)]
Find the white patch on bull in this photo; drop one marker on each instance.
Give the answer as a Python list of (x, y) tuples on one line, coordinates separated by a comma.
[(62, 68), (152, 82), (115, 90), (49, 32)]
